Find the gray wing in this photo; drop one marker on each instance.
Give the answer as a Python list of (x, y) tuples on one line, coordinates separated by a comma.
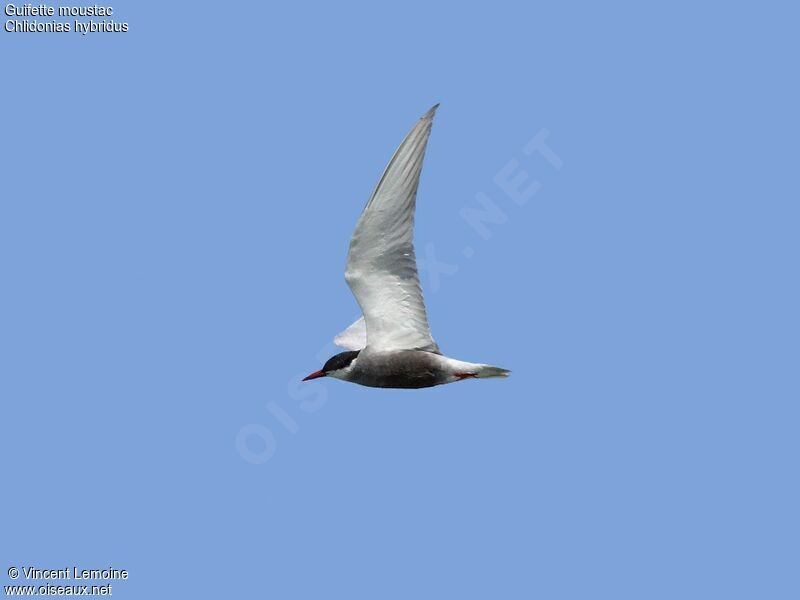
[(381, 265)]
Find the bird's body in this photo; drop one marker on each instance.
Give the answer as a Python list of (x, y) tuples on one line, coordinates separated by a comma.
[(391, 346), (396, 369), (410, 369)]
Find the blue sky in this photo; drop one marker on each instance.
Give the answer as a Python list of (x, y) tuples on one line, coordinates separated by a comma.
[(177, 204)]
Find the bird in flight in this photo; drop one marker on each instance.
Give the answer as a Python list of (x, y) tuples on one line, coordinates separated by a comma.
[(391, 345)]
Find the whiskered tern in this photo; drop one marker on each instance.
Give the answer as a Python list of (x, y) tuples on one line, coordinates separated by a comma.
[(391, 345)]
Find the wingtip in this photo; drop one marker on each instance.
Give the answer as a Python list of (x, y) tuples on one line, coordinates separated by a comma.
[(431, 112)]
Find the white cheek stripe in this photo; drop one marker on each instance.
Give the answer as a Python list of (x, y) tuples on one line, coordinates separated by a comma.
[(343, 373)]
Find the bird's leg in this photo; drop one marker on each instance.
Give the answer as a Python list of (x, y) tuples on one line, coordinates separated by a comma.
[(464, 375)]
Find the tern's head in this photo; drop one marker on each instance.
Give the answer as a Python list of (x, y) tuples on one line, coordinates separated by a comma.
[(338, 366)]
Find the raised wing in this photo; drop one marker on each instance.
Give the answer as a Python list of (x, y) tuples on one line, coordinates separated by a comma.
[(381, 265), (354, 337)]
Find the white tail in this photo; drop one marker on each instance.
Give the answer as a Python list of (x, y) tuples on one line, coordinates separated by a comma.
[(487, 371)]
